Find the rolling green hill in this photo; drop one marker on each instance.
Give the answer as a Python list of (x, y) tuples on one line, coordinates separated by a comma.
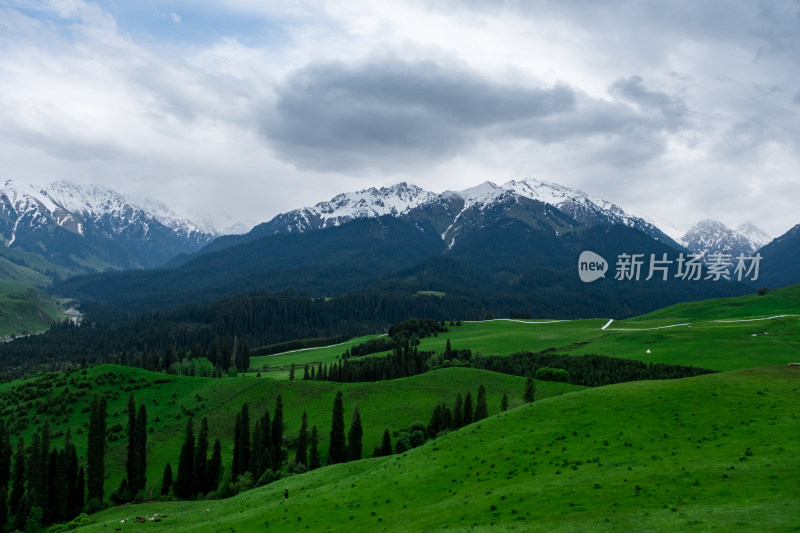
[(721, 334), (716, 452), (62, 400), (25, 309)]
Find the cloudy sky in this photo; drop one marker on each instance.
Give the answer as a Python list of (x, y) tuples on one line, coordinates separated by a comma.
[(676, 111)]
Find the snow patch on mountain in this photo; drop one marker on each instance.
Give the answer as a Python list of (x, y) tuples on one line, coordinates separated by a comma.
[(754, 234)]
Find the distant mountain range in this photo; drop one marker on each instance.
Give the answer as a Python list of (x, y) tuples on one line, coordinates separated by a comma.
[(511, 247), (64, 228)]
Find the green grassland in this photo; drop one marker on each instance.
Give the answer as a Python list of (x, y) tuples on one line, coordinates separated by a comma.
[(715, 452), (25, 309), (722, 334), (171, 400)]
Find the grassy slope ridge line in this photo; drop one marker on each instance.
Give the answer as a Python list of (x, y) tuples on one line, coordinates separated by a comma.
[(712, 452), (386, 405)]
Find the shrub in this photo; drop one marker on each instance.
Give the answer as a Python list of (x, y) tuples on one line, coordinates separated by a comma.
[(552, 374)]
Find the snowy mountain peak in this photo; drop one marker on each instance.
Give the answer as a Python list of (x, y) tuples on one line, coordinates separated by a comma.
[(754, 234), (484, 194), (711, 236)]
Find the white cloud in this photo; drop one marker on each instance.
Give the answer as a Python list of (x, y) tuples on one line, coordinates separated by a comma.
[(678, 111)]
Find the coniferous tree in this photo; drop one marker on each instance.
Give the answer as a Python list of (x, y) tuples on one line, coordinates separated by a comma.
[(5, 455), (237, 432), (266, 440), (183, 482), (96, 450), (58, 497), (530, 390), (141, 450), (36, 487), (481, 408), (291, 372), (3, 507), (166, 480), (504, 403), (354, 437), (74, 487), (467, 415), (80, 494), (301, 455), (257, 452), (200, 460), (277, 434), (17, 479), (132, 462), (313, 453), (458, 412), (337, 448), (306, 375), (241, 444), (386, 444), (214, 466)]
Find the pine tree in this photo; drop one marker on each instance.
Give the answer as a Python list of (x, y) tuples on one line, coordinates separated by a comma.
[(481, 408), (458, 412), (3, 507), (467, 416), (17, 479), (386, 444), (504, 403), (277, 434), (80, 494), (132, 462), (141, 450), (306, 375), (96, 450), (354, 437), (166, 480), (183, 483), (214, 466), (58, 497), (241, 445), (200, 460), (5, 455), (313, 454), (530, 390), (337, 448), (301, 455), (291, 372), (266, 440), (257, 465), (75, 487)]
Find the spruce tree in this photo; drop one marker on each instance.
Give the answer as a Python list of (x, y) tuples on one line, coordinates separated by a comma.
[(3, 507), (141, 450), (166, 480), (200, 460), (467, 415), (237, 431), (354, 437), (530, 390), (96, 450), (337, 448), (74, 486), (183, 483), (291, 372), (313, 453), (386, 444), (301, 455), (5, 455), (244, 439), (277, 434), (504, 403), (481, 408), (266, 440), (458, 412), (214, 466), (306, 375), (257, 465), (80, 494), (132, 462), (17, 479)]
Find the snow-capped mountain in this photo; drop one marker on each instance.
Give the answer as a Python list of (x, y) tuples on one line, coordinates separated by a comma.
[(396, 200), (91, 227), (586, 209), (754, 234), (448, 211), (709, 237)]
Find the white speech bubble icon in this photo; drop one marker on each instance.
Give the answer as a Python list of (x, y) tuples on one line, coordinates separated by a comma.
[(591, 266)]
